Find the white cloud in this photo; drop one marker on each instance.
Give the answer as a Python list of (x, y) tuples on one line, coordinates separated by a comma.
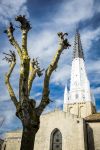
[(74, 11), (88, 36), (93, 69), (44, 43), (11, 8), (9, 115), (62, 74), (4, 97), (58, 102), (94, 66), (96, 90), (67, 17)]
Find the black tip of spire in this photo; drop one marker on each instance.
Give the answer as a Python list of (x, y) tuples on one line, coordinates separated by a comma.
[(77, 28), (78, 51)]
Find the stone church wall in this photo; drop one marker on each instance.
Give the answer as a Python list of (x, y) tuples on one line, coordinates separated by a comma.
[(12, 141), (93, 131), (71, 128)]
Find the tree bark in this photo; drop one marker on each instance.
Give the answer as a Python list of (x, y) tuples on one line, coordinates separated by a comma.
[(28, 139)]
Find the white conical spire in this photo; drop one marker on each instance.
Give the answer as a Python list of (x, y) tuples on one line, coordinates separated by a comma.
[(79, 87), (66, 94)]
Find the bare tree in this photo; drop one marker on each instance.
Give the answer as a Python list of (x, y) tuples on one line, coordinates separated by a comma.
[(26, 109)]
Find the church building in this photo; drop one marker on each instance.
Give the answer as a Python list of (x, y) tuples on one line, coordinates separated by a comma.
[(77, 126)]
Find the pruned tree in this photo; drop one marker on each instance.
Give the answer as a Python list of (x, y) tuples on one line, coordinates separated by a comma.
[(26, 109)]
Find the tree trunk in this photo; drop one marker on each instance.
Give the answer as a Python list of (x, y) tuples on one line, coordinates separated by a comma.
[(28, 139)]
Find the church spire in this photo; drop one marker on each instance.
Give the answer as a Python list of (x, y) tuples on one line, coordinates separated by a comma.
[(66, 94), (78, 51), (78, 100)]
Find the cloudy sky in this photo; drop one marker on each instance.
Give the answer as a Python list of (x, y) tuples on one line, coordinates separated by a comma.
[(47, 18)]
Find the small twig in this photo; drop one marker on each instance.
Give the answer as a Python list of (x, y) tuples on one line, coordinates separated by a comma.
[(10, 57), (35, 65)]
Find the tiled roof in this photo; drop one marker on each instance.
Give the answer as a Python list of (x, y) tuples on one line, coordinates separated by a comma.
[(93, 117)]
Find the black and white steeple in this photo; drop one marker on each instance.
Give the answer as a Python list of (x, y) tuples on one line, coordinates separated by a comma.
[(79, 84)]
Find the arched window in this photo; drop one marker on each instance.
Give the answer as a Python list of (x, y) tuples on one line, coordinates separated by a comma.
[(56, 140)]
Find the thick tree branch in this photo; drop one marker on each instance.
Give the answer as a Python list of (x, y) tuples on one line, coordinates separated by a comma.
[(25, 59), (25, 27), (12, 40), (63, 44), (34, 70), (24, 75), (31, 77), (11, 58)]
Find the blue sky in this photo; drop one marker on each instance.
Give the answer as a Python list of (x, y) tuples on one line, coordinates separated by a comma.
[(47, 18)]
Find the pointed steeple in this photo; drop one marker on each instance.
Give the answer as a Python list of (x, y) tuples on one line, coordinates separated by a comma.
[(79, 100), (78, 51), (66, 94)]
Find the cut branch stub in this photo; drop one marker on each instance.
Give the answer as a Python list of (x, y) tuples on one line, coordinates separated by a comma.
[(9, 32), (10, 28), (63, 41), (25, 24), (35, 65), (11, 57)]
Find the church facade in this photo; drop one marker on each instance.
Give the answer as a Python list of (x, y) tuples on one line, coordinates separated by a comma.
[(77, 126)]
